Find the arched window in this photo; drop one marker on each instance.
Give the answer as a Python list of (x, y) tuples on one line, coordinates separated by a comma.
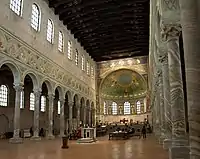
[(35, 17), (60, 41), (82, 63), (59, 106), (127, 108), (43, 104), (138, 107), (105, 108), (3, 96), (88, 68), (16, 6), (76, 57), (50, 31), (22, 100), (32, 101), (69, 51), (114, 108)]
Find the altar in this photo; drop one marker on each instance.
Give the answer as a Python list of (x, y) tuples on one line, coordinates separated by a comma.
[(88, 135)]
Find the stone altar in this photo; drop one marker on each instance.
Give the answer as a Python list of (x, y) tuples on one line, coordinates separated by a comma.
[(88, 135)]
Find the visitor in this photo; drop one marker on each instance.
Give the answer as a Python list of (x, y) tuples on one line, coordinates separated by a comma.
[(144, 132), (31, 131)]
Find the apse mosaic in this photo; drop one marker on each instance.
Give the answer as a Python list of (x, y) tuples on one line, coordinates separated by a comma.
[(123, 83)]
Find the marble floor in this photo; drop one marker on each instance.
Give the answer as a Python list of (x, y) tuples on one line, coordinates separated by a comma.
[(103, 149)]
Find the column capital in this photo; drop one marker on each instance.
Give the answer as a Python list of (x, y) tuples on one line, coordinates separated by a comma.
[(18, 87), (70, 103), (51, 96), (62, 100), (37, 92), (170, 31)]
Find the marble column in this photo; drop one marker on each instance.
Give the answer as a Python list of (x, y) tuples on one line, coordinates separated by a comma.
[(85, 116), (78, 115), (89, 116), (158, 115), (179, 136), (50, 115), (62, 118), (191, 37), (16, 138), (161, 105), (70, 116), (163, 58), (36, 126)]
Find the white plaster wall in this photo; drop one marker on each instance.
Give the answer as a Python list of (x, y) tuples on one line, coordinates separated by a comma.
[(117, 118), (21, 27)]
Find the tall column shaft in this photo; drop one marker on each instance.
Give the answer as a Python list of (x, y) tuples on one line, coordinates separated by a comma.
[(166, 93), (191, 36), (158, 115), (78, 116), (172, 33), (50, 126), (36, 126), (89, 116), (85, 116), (62, 118), (162, 116), (16, 138), (70, 116), (179, 146)]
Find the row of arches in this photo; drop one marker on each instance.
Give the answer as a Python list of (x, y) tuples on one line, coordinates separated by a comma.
[(40, 105)]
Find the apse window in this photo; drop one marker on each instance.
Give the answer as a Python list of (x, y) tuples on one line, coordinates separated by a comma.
[(50, 31), (82, 63), (59, 106), (114, 108), (35, 17), (16, 6), (138, 106), (127, 108), (43, 103), (88, 68), (3, 96), (105, 108), (69, 53), (32, 101), (60, 41), (76, 57), (22, 100)]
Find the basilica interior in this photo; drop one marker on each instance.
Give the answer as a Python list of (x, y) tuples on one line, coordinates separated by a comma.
[(111, 78)]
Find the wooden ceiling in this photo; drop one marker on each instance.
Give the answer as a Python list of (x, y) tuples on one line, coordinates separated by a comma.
[(107, 29)]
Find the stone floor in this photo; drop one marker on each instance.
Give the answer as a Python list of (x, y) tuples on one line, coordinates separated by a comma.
[(103, 149)]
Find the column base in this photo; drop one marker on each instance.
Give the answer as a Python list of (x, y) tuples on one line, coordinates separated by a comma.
[(179, 152), (167, 143), (16, 140), (36, 138), (50, 137)]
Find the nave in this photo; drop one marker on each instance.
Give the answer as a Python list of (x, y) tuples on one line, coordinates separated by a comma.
[(102, 149)]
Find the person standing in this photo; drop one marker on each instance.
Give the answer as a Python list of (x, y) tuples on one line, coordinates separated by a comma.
[(144, 132)]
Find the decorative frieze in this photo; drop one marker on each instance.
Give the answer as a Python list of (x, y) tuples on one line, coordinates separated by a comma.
[(21, 52)]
